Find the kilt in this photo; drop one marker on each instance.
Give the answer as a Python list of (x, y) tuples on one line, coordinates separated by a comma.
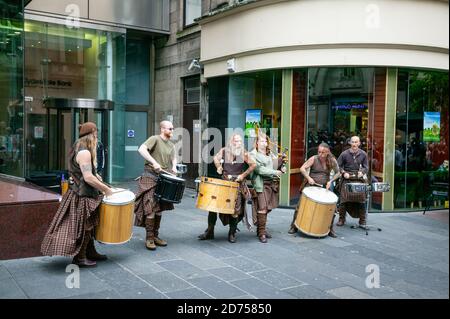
[(241, 199), (145, 203), (268, 198), (348, 197), (75, 216)]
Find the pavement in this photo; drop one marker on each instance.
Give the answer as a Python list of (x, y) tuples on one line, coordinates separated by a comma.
[(408, 259)]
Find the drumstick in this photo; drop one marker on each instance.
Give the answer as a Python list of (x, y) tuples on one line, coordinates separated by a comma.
[(318, 185)]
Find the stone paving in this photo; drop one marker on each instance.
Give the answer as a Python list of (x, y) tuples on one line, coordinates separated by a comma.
[(411, 253)]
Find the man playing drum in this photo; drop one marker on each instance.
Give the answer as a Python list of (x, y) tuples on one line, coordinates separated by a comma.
[(159, 154), (320, 167), (353, 165), (230, 163), (71, 231), (265, 180)]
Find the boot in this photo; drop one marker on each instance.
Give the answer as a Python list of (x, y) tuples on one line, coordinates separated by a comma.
[(362, 216), (293, 228), (92, 254), (209, 232), (232, 231), (150, 230), (262, 220), (81, 259), (342, 213), (332, 233), (158, 241)]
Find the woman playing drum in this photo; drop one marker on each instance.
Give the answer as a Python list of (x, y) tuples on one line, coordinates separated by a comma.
[(71, 231), (230, 163), (265, 181), (320, 166)]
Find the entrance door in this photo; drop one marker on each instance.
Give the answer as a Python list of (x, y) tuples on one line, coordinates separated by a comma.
[(191, 117), (136, 134), (63, 120)]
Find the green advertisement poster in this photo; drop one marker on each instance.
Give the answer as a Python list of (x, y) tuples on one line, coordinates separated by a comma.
[(431, 126)]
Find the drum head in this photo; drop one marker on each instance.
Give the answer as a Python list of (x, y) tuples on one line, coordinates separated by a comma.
[(172, 178), (120, 198), (320, 195)]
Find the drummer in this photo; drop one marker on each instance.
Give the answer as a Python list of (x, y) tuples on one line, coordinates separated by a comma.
[(159, 154), (353, 164), (265, 180), (230, 162), (71, 231), (320, 168)]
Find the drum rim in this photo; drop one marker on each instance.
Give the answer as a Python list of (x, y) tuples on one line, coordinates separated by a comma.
[(226, 184), (173, 178), (318, 201), (121, 243), (106, 201)]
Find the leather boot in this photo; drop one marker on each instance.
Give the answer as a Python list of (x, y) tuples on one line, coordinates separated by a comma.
[(262, 219), (332, 233), (209, 232), (91, 252), (232, 231), (342, 213), (293, 228), (158, 241), (150, 237), (81, 259), (362, 215)]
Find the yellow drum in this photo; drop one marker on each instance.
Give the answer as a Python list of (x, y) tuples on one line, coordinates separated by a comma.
[(315, 213), (217, 195), (116, 217)]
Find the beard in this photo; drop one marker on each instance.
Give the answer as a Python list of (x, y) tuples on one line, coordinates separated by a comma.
[(236, 151)]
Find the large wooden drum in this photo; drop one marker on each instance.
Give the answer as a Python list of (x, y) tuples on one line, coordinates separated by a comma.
[(317, 206), (217, 195), (116, 218)]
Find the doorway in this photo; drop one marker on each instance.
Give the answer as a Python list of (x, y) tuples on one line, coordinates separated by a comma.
[(191, 123), (63, 119)]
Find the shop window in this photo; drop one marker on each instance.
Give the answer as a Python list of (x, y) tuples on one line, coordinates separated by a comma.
[(421, 140), (338, 107)]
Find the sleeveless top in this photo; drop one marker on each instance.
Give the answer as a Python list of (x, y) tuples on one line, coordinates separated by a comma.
[(235, 167), (318, 173), (80, 186)]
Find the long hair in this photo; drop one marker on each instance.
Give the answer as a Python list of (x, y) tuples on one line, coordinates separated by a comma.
[(90, 143), (330, 156), (230, 149), (262, 136)]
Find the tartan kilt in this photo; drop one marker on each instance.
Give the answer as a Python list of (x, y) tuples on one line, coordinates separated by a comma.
[(348, 197), (145, 203), (75, 216), (268, 198), (241, 200)]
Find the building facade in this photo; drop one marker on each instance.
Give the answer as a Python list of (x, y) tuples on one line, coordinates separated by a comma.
[(322, 71), (67, 62)]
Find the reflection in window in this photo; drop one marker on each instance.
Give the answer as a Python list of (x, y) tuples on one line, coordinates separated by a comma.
[(421, 140), (338, 107)]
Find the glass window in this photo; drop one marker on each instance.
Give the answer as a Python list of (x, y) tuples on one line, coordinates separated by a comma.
[(192, 10), (338, 107), (255, 101), (421, 140), (71, 63), (11, 89)]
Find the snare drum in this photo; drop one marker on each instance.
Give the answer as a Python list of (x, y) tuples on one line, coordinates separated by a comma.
[(170, 188), (116, 218), (381, 187), (217, 195), (356, 187), (315, 212)]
